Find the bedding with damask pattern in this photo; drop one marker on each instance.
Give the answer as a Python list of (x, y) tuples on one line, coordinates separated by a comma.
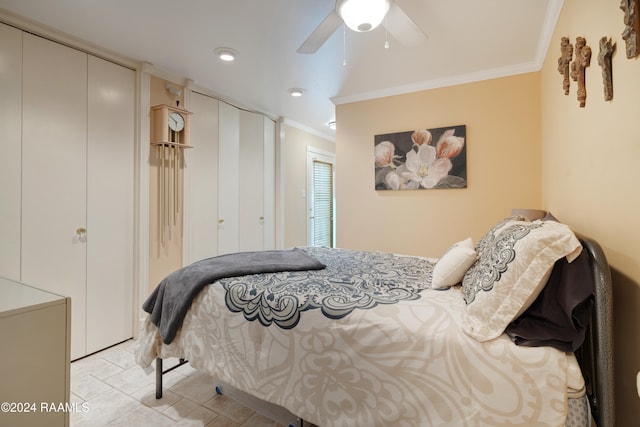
[(366, 342)]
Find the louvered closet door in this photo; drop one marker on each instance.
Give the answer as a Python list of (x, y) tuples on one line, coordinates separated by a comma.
[(110, 149), (54, 161)]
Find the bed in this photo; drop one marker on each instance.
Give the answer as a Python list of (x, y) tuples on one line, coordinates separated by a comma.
[(380, 339)]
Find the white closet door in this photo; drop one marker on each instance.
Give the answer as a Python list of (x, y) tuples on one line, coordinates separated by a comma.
[(269, 187), (110, 148), (10, 148), (54, 174), (202, 168), (228, 183), (251, 181)]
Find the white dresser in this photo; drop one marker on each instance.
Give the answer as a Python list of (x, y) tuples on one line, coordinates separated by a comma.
[(35, 338)]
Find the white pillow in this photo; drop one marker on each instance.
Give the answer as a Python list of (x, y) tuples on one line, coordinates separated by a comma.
[(510, 272), (451, 267)]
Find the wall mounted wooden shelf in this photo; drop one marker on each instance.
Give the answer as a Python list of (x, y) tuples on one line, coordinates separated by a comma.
[(171, 144)]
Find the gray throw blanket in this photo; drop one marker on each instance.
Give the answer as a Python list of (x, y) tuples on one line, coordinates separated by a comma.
[(170, 301)]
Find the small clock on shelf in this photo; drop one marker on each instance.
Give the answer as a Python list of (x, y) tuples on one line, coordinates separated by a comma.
[(176, 125), (170, 126)]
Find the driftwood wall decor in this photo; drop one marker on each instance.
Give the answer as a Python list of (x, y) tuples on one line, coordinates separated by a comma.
[(631, 33), (607, 49), (566, 53), (574, 59), (578, 66)]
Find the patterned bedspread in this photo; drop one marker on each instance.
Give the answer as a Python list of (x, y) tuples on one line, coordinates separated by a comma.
[(352, 280), (365, 343)]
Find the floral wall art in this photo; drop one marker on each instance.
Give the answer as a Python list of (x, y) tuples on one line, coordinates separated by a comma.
[(421, 159)]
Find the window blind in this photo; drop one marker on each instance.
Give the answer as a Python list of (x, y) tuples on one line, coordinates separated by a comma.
[(322, 203)]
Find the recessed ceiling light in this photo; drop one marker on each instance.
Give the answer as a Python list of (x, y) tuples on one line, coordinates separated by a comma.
[(225, 53), (296, 91)]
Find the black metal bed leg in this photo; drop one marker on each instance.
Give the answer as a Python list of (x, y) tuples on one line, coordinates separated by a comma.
[(160, 371), (158, 378)]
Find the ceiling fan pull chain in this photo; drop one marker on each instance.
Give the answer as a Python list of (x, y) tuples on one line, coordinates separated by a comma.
[(386, 33), (344, 45)]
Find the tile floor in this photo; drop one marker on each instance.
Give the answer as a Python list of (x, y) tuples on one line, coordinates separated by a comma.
[(119, 393)]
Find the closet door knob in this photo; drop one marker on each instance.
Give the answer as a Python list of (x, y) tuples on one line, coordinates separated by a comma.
[(221, 221), (81, 232)]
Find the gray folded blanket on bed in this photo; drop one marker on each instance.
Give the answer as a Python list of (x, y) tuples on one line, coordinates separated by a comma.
[(170, 301)]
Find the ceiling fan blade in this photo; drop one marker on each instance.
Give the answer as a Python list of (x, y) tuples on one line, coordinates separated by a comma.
[(321, 34), (402, 28)]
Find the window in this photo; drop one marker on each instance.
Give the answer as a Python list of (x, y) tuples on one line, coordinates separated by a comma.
[(321, 201)]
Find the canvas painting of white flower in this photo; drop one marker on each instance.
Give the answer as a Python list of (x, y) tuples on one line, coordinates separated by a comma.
[(421, 159)]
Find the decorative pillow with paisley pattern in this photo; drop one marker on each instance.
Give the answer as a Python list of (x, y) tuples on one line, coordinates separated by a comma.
[(490, 235), (513, 266)]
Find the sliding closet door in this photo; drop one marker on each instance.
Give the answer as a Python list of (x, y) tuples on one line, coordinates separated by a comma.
[(228, 183), (202, 167), (110, 148), (10, 148), (54, 135)]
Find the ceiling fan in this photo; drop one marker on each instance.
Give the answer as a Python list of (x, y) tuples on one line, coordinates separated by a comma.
[(362, 16)]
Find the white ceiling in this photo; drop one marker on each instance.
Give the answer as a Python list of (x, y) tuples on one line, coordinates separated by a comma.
[(468, 40)]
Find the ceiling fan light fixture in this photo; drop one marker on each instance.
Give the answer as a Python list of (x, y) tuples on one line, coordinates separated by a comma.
[(362, 15)]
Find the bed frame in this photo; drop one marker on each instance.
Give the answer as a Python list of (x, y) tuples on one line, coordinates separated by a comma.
[(595, 356)]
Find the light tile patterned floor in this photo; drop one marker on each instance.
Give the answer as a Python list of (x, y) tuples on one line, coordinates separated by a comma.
[(119, 393)]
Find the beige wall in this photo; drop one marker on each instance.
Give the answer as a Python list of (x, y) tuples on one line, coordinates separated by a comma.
[(295, 146), (591, 171), (503, 165)]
